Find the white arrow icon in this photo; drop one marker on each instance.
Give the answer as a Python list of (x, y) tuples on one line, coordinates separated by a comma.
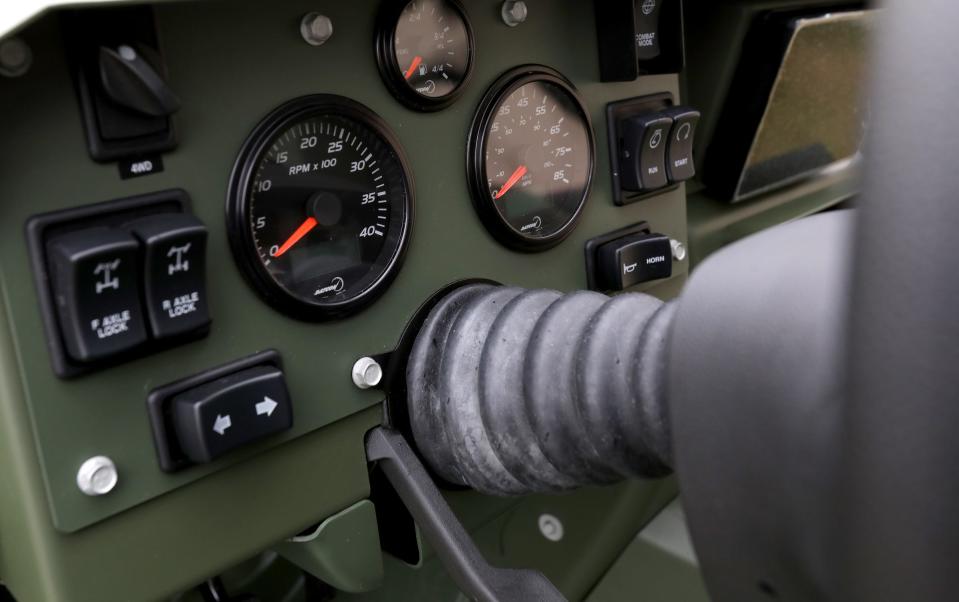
[(266, 407), (222, 423)]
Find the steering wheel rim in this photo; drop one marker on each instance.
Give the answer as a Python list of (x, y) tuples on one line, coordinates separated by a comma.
[(899, 493)]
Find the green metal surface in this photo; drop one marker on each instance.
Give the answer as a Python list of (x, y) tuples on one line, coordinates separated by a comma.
[(231, 63), (714, 224), (597, 524), (342, 551)]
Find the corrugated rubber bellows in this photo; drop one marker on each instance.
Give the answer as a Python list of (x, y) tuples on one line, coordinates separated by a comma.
[(515, 391)]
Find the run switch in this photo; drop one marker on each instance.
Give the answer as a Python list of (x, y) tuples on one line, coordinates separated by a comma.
[(93, 274), (174, 272), (633, 259), (643, 151)]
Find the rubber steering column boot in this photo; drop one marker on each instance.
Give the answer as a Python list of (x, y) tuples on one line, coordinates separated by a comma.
[(515, 391)]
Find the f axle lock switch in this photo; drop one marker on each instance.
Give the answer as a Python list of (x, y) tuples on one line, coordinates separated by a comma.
[(96, 291)]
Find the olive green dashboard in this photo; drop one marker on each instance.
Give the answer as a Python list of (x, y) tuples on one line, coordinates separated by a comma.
[(231, 63)]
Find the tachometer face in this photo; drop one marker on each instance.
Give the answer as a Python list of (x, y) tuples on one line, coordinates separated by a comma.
[(424, 51), (320, 206), (531, 158)]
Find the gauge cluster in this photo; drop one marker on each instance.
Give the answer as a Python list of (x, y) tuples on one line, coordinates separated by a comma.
[(341, 182)]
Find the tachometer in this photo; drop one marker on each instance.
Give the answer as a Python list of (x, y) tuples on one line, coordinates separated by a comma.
[(530, 158), (424, 50), (319, 207)]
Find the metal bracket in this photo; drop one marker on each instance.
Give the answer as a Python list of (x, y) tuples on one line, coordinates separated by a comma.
[(476, 578)]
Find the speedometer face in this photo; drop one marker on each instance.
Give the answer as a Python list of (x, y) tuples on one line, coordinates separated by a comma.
[(320, 206), (531, 158), (424, 51)]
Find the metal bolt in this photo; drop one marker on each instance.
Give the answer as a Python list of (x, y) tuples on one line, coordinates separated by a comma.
[(127, 53), (97, 476), (679, 249), (15, 57), (367, 373), (316, 29), (550, 527), (514, 12)]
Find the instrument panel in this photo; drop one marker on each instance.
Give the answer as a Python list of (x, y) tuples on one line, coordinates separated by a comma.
[(258, 104)]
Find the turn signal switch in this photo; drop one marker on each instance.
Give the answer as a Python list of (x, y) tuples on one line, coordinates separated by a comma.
[(515, 391)]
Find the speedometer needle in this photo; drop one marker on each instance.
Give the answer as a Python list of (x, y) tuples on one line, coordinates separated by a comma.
[(294, 238), (416, 63), (513, 179)]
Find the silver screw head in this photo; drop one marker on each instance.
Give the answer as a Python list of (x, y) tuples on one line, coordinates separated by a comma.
[(316, 29), (97, 476), (514, 12), (15, 57), (367, 373), (679, 249), (550, 527)]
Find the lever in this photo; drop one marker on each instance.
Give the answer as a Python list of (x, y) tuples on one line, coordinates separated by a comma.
[(130, 80), (476, 578)]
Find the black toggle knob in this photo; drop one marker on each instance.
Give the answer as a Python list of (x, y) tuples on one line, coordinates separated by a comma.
[(130, 79)]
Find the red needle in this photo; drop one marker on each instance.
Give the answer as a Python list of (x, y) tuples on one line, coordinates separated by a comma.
[(513, 179), (416, 63), (294, 238)]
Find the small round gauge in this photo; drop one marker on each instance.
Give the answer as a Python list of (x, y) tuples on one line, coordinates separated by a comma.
[(424, 51), (530, 158), (319, 207)]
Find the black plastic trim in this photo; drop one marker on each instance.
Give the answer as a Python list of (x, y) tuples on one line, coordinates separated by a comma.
[(475, 157), (593, 244), (653, 103), (169, 455), (241, 237), (40, 228)]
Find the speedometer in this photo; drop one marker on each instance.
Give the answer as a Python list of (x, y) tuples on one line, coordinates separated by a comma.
[(530, 158), (319, 207)]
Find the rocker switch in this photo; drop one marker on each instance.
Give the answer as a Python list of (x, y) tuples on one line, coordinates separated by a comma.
[(96, 291), (174, 272)]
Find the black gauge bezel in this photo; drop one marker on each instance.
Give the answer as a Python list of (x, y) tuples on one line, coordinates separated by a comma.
[(240, 234), (386, 21), (505, 85)]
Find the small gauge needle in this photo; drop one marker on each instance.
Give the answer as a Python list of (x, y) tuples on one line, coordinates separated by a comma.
[(294, 238), (416, 63), (513, 179)]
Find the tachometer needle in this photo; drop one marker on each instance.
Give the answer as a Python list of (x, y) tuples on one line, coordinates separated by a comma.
[(513, 179), (294, 238), (416, 63)]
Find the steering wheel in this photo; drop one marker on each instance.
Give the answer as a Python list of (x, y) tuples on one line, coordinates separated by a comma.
[(815, 367)]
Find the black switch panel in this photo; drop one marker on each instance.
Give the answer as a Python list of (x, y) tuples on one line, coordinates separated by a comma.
[(650, 146), (639, 37), (202, 417), (626, 257), (94, 276), (120, 75), (634, 259), (679, 154), (643, 151), (174, 273), (215, 418), (142, 229)]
